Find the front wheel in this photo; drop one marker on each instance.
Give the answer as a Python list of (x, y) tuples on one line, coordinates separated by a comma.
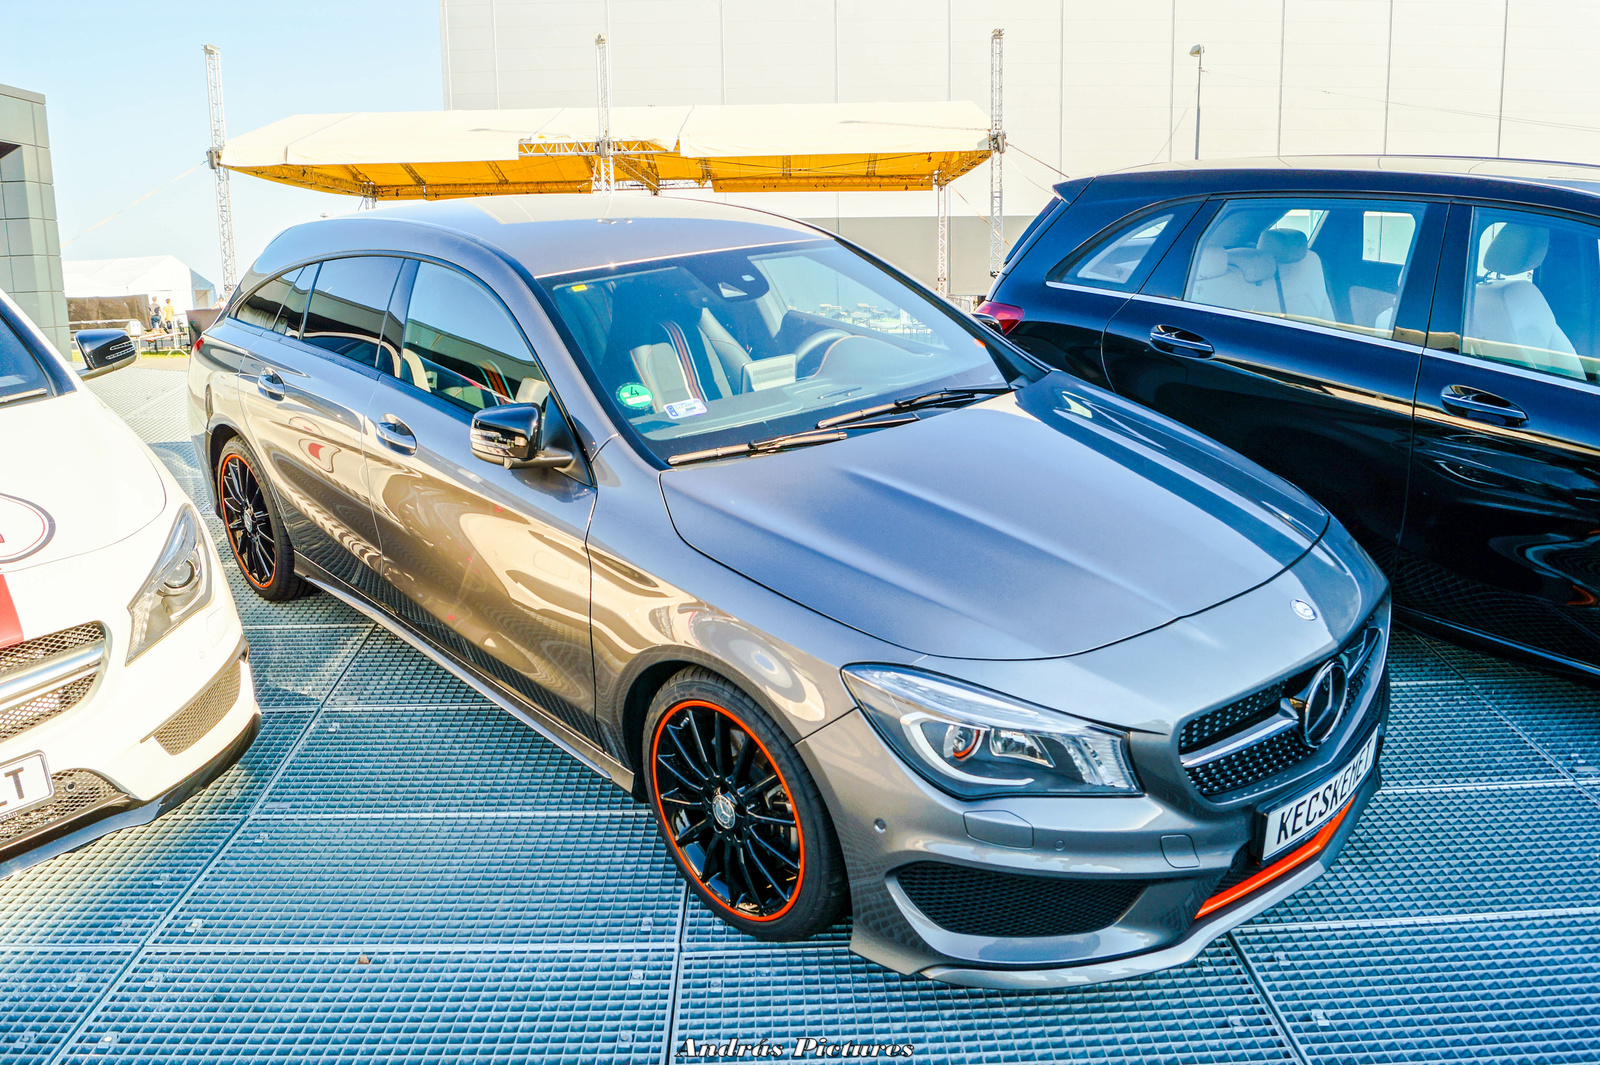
[(739, 812), (255, 527)]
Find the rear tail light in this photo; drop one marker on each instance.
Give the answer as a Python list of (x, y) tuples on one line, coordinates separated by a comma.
[(196, 349), (1007, 315)]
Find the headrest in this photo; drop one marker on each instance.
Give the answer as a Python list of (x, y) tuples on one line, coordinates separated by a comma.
[(1516, 249), (1213, 262), (1284, 245), (1256, 266)]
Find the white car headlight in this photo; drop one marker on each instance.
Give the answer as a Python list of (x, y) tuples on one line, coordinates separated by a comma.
[(179, 586), (976, 743)]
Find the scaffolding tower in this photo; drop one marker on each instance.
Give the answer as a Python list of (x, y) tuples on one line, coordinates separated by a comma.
[(997, 146), (605, 174), (219, 138)]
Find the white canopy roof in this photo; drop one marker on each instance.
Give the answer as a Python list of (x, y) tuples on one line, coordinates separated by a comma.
[(730, 148)]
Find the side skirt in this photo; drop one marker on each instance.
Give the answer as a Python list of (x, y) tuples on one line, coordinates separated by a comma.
[(551, 729)]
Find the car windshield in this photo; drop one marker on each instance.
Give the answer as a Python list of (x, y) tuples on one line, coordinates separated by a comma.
[(21, 375), (732, 347)]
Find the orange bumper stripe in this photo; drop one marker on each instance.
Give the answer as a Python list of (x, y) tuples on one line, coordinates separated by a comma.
[(1278, 869)]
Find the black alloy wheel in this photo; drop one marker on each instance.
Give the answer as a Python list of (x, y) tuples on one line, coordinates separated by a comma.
[(254, 528), (743, 820)]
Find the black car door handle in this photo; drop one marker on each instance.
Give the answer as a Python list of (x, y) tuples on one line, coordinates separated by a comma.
[(270, 385), (396, 435), (1481, 406), (1175, 341)]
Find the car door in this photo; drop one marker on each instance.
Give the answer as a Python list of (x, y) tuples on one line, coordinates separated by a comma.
[(1503, 527), (1068, 307), (306, 390), (1290, 329), (486, 563)]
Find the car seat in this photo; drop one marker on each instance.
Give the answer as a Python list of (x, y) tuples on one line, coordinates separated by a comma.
[(1509, 318)]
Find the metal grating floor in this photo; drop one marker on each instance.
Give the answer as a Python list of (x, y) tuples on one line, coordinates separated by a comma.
[(330, 900)]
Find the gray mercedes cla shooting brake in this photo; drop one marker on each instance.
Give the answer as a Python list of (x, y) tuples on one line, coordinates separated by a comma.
[(871, 609)]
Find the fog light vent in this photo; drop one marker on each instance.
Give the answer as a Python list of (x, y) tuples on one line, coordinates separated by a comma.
[(981, 902)]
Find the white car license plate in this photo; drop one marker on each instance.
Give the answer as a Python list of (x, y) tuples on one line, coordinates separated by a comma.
[(1295, 820), (24, 783)]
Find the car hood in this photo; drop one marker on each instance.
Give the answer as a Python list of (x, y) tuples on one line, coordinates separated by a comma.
[(1043, 523), (75, 479)]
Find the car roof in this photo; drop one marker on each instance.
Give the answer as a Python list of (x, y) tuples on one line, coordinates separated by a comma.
[(1462, 172), (560, 233)]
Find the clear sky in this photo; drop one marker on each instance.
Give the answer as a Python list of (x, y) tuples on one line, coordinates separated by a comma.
[(125, 87)]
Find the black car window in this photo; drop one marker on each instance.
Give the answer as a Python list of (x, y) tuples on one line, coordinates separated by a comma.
[(20, 373), (1122, 261), (1339, 263), (293, 312), (461, 344), (348, 304), (1530, 294), (262, 307)]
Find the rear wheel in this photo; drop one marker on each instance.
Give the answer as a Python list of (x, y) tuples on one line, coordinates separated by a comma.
[(739, 811), (254, 526)]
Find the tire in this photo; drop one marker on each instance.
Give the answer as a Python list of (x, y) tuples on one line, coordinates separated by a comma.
[(727, 833), (254, 526)]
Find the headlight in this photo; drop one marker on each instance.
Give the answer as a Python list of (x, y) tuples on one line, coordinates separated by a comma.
[(178, 587), (975, 743)]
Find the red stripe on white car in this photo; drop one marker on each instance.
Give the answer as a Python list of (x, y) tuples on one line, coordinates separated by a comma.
[(10, 624)]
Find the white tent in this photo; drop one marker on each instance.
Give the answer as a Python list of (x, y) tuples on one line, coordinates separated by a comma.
[(160, 277), (748, 148)]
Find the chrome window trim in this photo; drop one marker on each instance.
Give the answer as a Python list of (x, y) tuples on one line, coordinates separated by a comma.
[(1251, 316), (1511, 368)]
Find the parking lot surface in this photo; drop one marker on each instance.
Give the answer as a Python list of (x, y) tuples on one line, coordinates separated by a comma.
[(398, 871)]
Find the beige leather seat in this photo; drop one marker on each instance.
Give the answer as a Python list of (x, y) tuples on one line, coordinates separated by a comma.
[(1509, 318), (1239, 278), (1302, 289)]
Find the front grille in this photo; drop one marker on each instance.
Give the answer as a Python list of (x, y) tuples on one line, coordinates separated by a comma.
[(78, 792), (1275, 753), (1236, 771), (185, 728), (33, 707), (981, 902), (40, 648)]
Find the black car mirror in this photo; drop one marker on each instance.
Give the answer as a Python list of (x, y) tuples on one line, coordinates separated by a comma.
[(513, 435), (104, 350)]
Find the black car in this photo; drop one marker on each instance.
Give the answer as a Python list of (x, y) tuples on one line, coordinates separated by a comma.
[(1415, 342)]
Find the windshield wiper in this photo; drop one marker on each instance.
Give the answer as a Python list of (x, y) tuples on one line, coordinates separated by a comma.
[(941, 398), (32, 393), (758, 447)]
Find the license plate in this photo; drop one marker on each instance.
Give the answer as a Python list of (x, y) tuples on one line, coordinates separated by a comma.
[(24, 783), (1299, 818)]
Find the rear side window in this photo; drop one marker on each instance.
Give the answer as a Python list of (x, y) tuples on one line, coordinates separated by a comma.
[(348, 306), (1336, 263), (262, 307), (461, 345), (1122, 261)]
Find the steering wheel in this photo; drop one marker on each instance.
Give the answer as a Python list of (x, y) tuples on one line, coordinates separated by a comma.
[(811, 343)]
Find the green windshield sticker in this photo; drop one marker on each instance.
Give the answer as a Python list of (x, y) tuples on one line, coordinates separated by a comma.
[(635, 396)]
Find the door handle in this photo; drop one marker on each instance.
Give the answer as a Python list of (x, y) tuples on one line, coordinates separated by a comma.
[(1475, 403), (1175, 341), (396, 435), (270, 385)]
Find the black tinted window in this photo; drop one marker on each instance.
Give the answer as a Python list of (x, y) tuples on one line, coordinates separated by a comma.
[(263, 305), (20, 372), (294, 302), (460, 344), (348, 304)]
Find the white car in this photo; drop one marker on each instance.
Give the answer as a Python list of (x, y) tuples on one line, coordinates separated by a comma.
[(124, 676)]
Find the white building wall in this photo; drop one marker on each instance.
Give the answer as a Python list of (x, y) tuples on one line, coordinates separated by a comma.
[(1091, 85)]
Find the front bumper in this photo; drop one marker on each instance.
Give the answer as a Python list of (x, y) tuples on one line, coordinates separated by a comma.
[(1092, 841)]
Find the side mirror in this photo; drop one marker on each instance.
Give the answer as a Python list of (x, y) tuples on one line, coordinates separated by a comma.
[(515, 435), (104, 350)]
